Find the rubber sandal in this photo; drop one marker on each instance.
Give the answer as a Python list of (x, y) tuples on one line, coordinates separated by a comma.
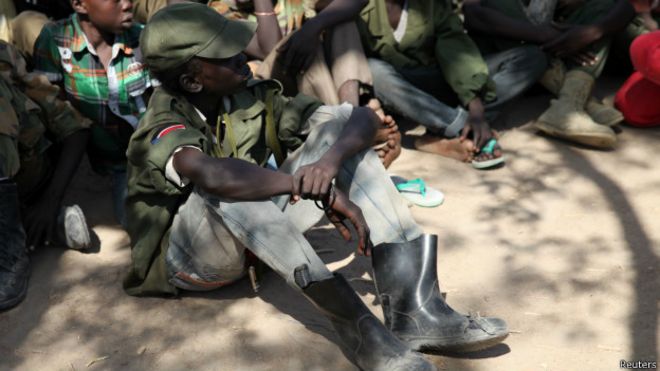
[(488, 149), (417, 192)]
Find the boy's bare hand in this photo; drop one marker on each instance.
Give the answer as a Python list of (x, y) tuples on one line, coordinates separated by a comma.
[(313, 181), (573, 40), (299, 51), (340, 209), (477, 125)]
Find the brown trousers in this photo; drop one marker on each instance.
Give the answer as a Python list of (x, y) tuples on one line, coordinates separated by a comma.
[(339, 59)]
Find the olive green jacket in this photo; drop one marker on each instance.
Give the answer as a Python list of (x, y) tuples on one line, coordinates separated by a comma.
[(434, 37), (153, 200)]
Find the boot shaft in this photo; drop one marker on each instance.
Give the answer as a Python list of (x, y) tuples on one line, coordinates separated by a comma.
[(576, 90), (363, 338), (11, 225), (406, 277)]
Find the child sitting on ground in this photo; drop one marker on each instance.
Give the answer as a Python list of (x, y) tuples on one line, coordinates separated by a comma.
[(94, 56)]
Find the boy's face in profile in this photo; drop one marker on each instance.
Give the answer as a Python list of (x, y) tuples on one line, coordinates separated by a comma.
[(224, 76), (114, 16)]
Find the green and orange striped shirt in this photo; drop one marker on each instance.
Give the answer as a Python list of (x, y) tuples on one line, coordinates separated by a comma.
[(63, 53)]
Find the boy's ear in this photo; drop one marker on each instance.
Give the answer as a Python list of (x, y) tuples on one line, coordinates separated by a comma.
[(190, 83), (79, 6)]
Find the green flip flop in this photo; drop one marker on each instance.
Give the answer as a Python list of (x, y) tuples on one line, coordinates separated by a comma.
[(418, 193), (488, 149)]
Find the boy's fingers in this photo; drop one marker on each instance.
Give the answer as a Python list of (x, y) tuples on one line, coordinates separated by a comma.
[(296, 183), (316, 187), (342, 229), (325, 186)]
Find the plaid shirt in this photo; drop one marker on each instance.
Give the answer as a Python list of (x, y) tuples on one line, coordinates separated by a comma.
[(63, 53)]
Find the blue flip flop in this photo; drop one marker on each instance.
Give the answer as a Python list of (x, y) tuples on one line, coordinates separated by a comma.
[(488, 149), (417, 192)]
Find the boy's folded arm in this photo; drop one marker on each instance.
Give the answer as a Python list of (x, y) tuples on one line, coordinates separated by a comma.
[(231, 178), (490, 21), (357, 135), (618, 18)]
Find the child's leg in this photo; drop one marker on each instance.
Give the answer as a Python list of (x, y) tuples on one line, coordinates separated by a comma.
[(514, 71), (209, 236), (365, 180), (402, 96)]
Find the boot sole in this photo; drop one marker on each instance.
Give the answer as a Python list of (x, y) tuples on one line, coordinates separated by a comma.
[(8, 304), (424, 346), (593, 140)]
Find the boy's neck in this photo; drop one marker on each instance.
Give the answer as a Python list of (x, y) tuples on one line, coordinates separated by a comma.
[(96, 37), (207, 104)]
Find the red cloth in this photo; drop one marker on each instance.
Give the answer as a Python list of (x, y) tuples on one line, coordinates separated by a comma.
[(639, 97)]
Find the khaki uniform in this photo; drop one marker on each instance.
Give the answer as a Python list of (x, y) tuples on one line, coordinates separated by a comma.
[(33, 117), (434, 37), (153, 200)]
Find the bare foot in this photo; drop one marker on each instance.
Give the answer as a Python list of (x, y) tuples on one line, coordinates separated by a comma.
[(375, 105), (391, 150), (452, 148), (386, 131)]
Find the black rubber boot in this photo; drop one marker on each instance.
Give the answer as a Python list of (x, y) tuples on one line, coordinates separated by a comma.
[(14, 262), (367, 343), (407, 285)]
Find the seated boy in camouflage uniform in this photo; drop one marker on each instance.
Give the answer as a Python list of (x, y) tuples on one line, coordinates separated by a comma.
[(42, 140), (198, 197)]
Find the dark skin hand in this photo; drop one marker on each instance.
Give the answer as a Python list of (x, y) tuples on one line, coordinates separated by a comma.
[(299, 51), (40, 220), (341, 208), (244, 181), (481, 131), (486, 20), (575, 39), (313, 180), (476, 124)]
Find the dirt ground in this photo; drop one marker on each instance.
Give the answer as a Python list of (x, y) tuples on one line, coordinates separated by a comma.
[(563, 243)]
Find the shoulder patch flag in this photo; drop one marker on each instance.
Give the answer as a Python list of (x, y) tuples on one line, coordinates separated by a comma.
[(166, 131)]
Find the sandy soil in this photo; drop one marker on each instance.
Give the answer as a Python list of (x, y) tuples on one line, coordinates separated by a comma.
[(563, 242)]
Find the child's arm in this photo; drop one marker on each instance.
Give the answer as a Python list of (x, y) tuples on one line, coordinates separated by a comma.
[(313, 180), (492, 22), (40, 220), (231, 178), (300, 49), (576, 38)]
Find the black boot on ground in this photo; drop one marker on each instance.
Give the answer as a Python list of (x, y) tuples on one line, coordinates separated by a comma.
[(407, 285), (14, 262), (367, 343)]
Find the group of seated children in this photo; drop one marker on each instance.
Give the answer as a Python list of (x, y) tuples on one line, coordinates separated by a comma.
[(229, 128)]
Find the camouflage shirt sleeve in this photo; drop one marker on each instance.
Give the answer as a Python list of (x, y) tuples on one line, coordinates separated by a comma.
[(47, 55)]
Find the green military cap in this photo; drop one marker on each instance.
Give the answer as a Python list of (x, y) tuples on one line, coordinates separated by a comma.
[(179, 32)]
